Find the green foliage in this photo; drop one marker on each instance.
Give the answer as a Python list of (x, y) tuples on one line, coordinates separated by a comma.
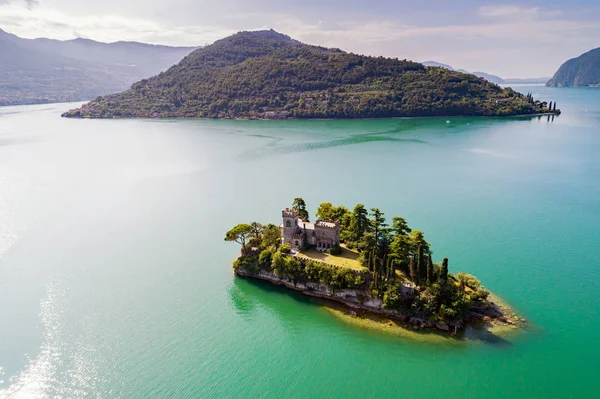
[(392, 299), (444, 271), (335, 250), (252, 73), (467, 280), (383, 251), (286, 249), (240, 234), (326, 211), (300, 206), (248, 263), (271, 237), (264, 259), (278, 264)]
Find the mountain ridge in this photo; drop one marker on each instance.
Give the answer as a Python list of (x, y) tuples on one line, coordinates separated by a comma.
[(580, 71), (45, 70)]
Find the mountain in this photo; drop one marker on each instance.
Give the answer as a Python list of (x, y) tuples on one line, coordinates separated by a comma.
[(490, 78), (265, 74), (486, 76), (45, 70), (581, 71), (524, 81)]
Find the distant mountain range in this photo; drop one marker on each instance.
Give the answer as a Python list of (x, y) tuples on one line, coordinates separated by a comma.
[(489, 77), (34, 71), (268, 75), (578, 72)]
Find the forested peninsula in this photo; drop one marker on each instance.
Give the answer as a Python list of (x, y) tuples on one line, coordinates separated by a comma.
[(355, 258), (268, 75)]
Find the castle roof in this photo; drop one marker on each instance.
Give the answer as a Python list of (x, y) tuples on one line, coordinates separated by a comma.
[(321, 223)]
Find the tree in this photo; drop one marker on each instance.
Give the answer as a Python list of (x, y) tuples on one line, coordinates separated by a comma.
[(412, 269), (420, 265), (400, 251), (240, 234), (325, 211), (359, 224), (400, 227), (378, 225), (418, 240), (257, 230), (430, 275), (368, 243), (339, 213), (271, 237), (278, 263), (264, 259), (554, 108), (550, 106), (300, 206), (444, 271)]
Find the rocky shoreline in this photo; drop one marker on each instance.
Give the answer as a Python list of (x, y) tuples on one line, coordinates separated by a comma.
[(362, 301)]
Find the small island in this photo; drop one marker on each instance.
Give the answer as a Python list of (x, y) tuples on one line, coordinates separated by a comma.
[(358, 260)]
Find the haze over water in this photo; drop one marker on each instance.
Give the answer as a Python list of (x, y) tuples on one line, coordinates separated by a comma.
[(115, 280)]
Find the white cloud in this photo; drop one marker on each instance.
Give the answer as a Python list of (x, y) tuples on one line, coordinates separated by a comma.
[(42, 22)]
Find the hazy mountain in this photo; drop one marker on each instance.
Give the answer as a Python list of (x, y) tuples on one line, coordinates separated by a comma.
[(266, 74), (486, 76), (522, 81), (489, 77), (46, 70), (576, 72)]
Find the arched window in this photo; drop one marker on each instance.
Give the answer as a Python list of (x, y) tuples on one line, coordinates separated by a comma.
[(288, 224)]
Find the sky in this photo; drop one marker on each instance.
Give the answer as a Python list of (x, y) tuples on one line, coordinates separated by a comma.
[(512, 39)]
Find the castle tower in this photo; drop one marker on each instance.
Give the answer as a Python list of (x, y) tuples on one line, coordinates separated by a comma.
[(289, 226)]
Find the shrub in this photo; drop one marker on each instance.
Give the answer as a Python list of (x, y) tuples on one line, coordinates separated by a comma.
[(336, 250), (286, 249), (264, 259), (248, 263), (278, 264)]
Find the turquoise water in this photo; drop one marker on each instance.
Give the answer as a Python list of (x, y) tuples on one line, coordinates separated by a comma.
[(115, 281)]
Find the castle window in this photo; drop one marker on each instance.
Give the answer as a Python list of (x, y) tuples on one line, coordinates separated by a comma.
[(288, 224)]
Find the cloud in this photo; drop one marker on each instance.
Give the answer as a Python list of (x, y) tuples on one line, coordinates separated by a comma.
[(29, 4), (41, 22)]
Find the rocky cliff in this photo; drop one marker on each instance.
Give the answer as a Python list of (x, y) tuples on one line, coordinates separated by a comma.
[(578, 72)]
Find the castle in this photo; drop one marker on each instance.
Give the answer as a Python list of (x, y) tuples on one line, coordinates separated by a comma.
[(300, 234)]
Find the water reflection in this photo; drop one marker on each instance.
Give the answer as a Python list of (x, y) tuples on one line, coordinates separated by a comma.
[(248, 295)]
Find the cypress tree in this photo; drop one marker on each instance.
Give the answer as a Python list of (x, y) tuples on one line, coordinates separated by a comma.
[(387, 268), (444, 270), (419, 263), (429, 269), (554, 106), (411, 269)]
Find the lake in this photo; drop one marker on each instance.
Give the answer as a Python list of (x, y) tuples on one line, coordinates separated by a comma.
[(115, 280)]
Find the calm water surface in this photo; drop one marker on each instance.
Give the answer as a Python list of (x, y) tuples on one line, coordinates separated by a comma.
[(115, 281)]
